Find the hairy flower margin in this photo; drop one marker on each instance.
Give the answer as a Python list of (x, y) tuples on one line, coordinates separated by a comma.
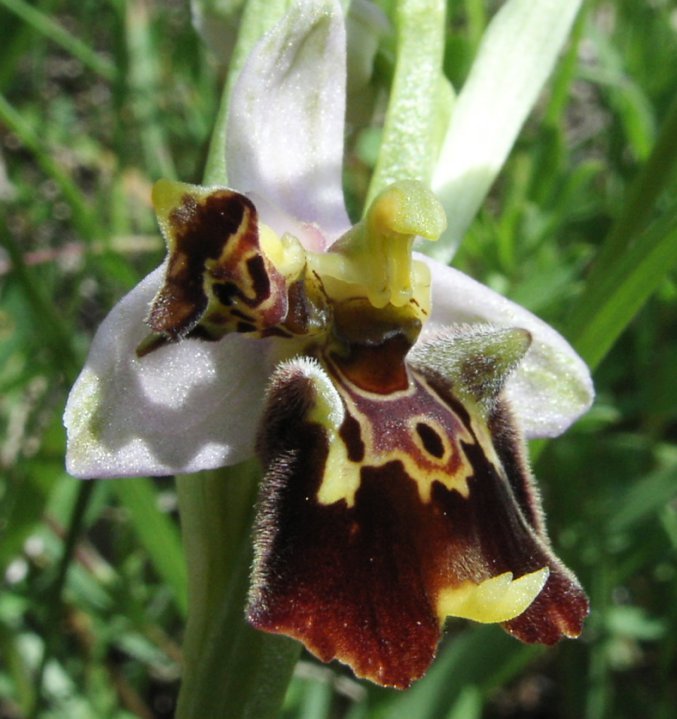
[(396, 492)]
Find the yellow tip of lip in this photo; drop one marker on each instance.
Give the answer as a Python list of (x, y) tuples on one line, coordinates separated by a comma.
[(497, 599)]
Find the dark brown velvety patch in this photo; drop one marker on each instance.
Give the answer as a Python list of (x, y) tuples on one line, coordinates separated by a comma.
[(351, 435), (259, 277), (511, 448)]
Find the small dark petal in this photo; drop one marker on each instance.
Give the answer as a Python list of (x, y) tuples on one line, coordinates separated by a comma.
[(216, 268), (200, 229)]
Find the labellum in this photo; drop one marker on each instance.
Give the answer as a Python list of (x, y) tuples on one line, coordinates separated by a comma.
[(396, 491)]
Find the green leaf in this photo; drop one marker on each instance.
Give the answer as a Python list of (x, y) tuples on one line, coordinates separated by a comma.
[(518, 51), (644, 500), (655, 177)]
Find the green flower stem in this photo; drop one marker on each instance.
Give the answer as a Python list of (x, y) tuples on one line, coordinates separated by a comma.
[(230, 669), (418, 98)]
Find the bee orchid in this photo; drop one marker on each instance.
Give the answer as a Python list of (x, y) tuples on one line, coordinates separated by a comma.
[(387, 396)]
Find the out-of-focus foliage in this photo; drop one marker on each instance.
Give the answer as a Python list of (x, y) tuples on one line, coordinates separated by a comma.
[(97, 101)]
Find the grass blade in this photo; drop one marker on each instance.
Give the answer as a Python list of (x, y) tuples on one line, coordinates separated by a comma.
[(157, 533), (58, 34), (616, 291)]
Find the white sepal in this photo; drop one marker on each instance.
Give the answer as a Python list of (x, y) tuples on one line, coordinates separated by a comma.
[(551, 387), (184, 407)]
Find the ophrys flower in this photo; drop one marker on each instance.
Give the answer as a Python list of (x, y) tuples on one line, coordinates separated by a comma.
[(395, 489)]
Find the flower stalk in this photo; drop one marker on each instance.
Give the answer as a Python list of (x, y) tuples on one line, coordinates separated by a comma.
[(230, 669)]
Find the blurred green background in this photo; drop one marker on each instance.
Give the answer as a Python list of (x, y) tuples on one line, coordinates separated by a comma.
[(100, 99)]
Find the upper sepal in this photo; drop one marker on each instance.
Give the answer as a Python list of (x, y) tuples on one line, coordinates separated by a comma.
[(286, 118)]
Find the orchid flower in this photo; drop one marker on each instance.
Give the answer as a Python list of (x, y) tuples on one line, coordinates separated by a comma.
[(386, 395)]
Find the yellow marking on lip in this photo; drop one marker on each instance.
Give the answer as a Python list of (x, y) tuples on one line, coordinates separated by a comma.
[(341, 477)]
